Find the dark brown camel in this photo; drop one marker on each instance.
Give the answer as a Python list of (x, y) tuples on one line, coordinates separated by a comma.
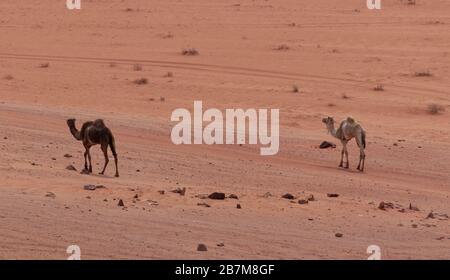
[(93, 133)]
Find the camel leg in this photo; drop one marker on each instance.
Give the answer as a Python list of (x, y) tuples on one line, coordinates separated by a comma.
[(115, 161), (342, 155), (362, 159), (85, 159), (89, 158), (105, 153), (346, 155), (362, 155)]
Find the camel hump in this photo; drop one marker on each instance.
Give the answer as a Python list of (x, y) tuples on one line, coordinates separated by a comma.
[(351, 120), (99, 123)]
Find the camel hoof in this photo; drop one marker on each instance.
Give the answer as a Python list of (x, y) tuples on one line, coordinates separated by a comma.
[(117, 175)]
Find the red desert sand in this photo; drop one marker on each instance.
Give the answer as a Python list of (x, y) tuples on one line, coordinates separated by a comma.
[(126, 62)]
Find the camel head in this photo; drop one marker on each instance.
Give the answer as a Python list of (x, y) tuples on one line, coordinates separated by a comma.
[(328, 121), (71, 122)]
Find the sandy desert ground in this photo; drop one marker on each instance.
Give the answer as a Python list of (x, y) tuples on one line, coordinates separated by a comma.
[(56, 64)]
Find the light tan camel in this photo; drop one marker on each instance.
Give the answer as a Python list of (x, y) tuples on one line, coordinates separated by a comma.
[(348, 129)]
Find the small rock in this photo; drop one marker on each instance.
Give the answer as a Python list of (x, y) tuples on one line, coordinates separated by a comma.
[(288, 196), (238, 206), (71, 167), (332, 194), (385, 205), (180, 191), (202, 248), (338, 235), (67, 155), (267, 195), (136, 196), (120, 204), (91, 187), (216, 195), (233, 196), (161, 192), (303, 201), (220, 244), (203, 204), (311, 198), (326, 144), (412, 207), (53, 158), (414, 225)]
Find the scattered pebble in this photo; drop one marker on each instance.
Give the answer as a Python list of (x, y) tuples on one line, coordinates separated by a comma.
[(67, 155), (338, 235), (303, 201), (91, 187), (71, 167), (412, 207), (233, 196), (202, 248), (385, 205), (332, 194), (326, 144), (120, 204), (181, 191), (217, 195), (238, 206), (288, 196), (203, 204)]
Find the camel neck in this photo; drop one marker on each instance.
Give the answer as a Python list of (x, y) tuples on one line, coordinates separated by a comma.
[(332, 130)]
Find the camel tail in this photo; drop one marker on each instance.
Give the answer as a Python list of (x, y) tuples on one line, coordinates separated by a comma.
[(363, 138)]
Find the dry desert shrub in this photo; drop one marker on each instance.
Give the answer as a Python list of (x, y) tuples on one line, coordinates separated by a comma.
[(379, 87), (189, 52), (282, 47), (44, 65), (137, 67), (141, 81), (423, 74), (434, 109)]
